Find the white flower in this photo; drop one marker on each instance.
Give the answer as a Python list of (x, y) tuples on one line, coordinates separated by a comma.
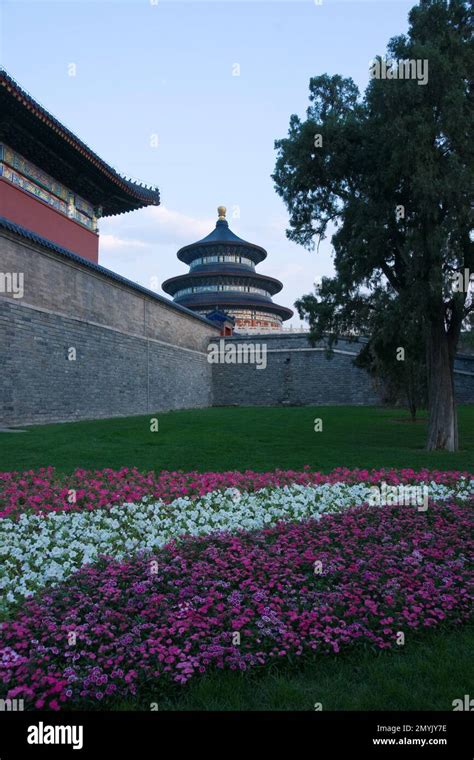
[(40, 548)]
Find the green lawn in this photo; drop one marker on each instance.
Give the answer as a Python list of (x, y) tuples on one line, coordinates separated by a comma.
[(239, 438), (427, 673)]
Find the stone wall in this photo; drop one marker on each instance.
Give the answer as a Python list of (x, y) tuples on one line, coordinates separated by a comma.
[(296, 374), (299, 374), (135, 351), (464, 378), (138, 353)]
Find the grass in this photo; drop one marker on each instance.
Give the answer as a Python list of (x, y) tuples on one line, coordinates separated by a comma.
[(259, 438), (427, 673)]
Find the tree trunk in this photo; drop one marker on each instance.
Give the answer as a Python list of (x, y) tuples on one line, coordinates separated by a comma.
[(442, 426), (412, 392)]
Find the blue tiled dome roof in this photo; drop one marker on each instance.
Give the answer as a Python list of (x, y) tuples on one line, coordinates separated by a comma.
[(222, 276), (221, 234)]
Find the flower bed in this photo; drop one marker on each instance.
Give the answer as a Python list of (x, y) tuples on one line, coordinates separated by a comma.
[(37, 548), (148, 620), (46, 491)]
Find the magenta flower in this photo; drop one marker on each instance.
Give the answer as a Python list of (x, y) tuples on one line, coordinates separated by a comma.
[(182, 621)]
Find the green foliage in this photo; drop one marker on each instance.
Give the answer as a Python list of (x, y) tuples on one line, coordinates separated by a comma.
[(394, 357), (392, 183)]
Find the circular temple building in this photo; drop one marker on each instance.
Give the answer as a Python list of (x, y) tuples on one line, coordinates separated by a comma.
[(222, 277)]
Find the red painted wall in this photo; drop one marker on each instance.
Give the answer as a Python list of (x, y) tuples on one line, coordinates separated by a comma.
[(22, 208)]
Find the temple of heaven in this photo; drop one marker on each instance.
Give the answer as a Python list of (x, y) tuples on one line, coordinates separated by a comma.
[(222, 277)]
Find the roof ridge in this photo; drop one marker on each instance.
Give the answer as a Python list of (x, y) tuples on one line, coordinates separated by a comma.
[(134, 186)]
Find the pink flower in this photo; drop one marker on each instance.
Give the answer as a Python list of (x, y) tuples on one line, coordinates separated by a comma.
[(261, 584)]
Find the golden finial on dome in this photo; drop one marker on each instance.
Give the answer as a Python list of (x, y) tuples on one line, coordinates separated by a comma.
[(221, 210)]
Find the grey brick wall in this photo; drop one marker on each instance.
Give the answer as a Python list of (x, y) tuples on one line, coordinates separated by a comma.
[(68, 287), (464, 378), (134, 354), (298, 374), (114, 374)]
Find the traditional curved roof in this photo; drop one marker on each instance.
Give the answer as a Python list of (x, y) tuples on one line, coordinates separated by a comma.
[(225, 300), (221, 243), (221, 235), (27, 127), (271, 284)]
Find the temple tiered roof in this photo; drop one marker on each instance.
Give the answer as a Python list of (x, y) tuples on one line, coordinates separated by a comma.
[(222, 276), (221, 235)]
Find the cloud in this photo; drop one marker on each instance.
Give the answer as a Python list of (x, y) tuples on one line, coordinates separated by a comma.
[(154, 225), (186, 229), (142, 245), (114, 243)]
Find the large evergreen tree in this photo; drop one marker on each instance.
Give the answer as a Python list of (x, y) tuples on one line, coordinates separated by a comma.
[(393, 172)]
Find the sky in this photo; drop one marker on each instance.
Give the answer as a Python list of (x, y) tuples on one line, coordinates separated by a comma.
[(190, 97)]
